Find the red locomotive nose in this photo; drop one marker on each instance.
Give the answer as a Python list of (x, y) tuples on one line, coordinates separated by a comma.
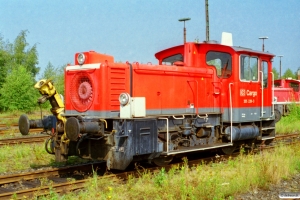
[(84, 90)]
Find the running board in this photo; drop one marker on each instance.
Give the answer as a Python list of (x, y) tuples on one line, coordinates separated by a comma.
[(191, 149), (267, 138), (267, 128)]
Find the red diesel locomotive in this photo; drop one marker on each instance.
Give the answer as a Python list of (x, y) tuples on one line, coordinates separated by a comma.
[(286, 92), (200, 96)]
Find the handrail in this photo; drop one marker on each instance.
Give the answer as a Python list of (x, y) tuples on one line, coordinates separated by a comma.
[(178, 117), (167, 131), (205, 117), (262, 94), (273, 109), (230, 99), (196, 95), (158, 69)]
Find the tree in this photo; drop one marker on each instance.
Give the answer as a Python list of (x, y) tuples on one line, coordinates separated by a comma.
[(56, 74), (60, 80), (17, 92), (25, 57), (16, 54), (297, 73), (5, 57), (289, 74), (49, 72), (276, 74)]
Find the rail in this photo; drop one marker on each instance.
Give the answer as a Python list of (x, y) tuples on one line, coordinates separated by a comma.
[(20, 140)]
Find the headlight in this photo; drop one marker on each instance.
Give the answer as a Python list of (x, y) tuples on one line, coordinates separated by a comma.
[(80, 58), (124, 98)]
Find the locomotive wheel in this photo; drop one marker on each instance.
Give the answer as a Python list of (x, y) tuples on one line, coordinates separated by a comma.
[(162, 161), (229, 150), (277, 115)]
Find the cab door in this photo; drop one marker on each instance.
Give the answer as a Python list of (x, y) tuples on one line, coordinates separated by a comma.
[(266, 88), (249, 86)]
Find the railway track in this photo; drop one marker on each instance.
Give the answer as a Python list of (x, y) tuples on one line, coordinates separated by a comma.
[(63, 184), (25, 140), (6, 125), (29, 182), (7, 130)]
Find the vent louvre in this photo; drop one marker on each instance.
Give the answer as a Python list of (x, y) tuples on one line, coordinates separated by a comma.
[(117, 85)]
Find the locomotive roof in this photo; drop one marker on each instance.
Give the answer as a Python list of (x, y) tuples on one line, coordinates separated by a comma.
[(248, 50), (180, 49)]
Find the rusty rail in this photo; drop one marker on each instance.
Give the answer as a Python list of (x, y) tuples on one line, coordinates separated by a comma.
[(19, 140)]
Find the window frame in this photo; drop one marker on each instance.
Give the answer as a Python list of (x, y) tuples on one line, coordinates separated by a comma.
[(265, 75), (219, 69), (257, 79)]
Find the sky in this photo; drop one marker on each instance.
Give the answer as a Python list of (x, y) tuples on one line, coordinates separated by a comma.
[(134, 30)]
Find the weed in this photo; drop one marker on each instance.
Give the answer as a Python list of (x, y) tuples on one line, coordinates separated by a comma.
[(160, 178)]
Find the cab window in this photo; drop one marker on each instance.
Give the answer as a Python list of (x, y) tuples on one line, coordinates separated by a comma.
[(171, 59), (277, 84), (264, 66), (221, 61), (295, 86), (248, 68)]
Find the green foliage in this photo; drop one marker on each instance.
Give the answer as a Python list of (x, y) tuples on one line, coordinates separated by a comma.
[(60, 80), (276, 73), (296, 72), (17, 92), (56, 74), (21, 55), (294, 111), (290, 123), (12, 56), (25, 156), (161, 177), (50, 72), (4, 59), (289, 74)]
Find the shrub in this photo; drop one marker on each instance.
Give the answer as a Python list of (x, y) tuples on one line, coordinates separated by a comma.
[(17, 92)]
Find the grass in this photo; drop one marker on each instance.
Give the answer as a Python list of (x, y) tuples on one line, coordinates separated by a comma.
[(10, 118), (214, 181), (10, 133), (23, 157), (13, 118), (290, 123)]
